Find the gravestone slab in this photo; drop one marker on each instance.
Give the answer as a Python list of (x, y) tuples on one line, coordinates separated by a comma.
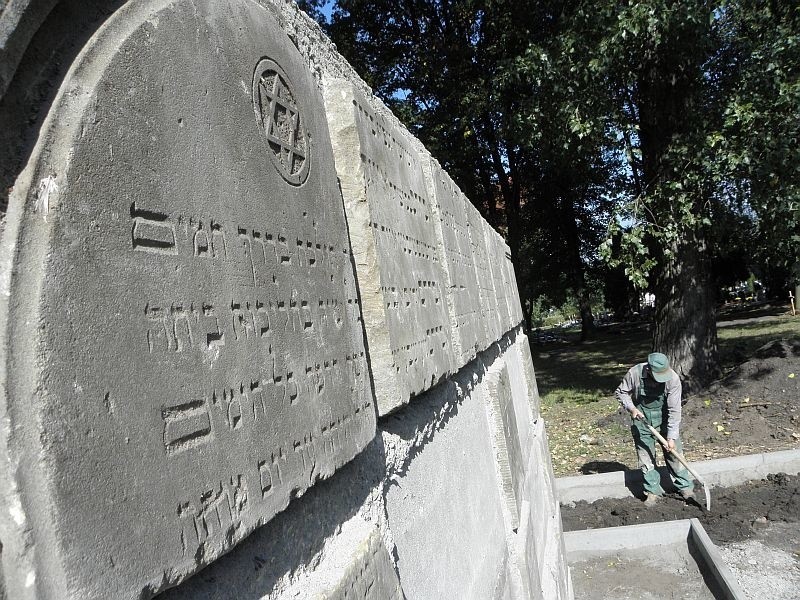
[(511, 460), (497, 259), (182, 351), (400, 276), (480, 257), (499, 274), (515, 303), (453, 243)]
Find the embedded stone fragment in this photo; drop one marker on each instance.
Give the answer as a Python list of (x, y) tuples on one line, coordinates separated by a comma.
[(510, 456), (400, 277), (181, 350), (370, 575)]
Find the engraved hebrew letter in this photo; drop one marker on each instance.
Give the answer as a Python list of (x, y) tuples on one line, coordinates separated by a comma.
[(152, 231), (186, 425)]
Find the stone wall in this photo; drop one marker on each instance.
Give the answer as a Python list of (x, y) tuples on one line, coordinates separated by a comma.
[(255, 341)]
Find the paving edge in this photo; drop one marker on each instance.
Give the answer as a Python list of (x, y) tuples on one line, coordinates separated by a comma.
[(721, 472), (591, 543)]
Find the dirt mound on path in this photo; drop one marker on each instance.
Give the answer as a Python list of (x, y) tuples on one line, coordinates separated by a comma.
[(736, 512)]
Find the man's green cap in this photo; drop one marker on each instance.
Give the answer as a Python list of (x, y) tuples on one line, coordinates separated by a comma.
[(659, 367)]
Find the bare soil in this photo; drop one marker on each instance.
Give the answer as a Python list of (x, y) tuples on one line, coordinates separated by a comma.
[(755, 525), (754, 408), (737, 513)]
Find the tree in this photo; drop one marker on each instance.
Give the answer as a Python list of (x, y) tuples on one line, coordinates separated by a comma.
[(758, 149), (646, 61)]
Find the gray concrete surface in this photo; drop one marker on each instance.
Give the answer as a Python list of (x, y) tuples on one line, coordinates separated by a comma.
[(350, 570), (177, 366), (401, 279), (508, 450), (722, 472), (672, 559), (443, 502)]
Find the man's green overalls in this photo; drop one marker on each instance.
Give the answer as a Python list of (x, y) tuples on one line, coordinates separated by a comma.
[(651, 399)]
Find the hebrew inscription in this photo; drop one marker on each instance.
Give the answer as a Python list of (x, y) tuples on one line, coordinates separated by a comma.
[(400, 272), (481, 258), (452, 229), (186, 333)]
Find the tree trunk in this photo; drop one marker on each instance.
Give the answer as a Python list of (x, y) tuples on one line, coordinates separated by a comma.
[(685, 318)]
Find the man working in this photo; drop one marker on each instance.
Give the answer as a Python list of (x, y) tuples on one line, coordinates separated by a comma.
[(651, 393)]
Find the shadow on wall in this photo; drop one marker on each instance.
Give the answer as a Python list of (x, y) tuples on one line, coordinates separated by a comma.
[(419, 421), (268, 559), (42, 69)]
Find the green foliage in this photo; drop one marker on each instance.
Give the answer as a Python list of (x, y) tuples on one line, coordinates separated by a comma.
[(649, 139)]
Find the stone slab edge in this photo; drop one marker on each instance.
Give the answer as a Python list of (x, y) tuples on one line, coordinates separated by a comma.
[(721, 472), (363, 571), (19, 22), (714, 562), (592, 543), (589, 543)]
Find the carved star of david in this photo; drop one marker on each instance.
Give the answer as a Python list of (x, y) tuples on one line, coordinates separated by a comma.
[(281, 121)]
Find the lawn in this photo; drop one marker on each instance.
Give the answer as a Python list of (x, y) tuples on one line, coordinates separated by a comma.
[(577, 383)]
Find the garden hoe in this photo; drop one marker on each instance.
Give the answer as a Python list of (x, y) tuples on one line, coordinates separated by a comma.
[(684, 462)]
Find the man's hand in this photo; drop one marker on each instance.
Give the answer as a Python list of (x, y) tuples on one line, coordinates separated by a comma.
[(637, 414), (670, 445)]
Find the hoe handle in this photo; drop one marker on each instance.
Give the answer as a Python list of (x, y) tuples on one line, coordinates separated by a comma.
[(681, 459)]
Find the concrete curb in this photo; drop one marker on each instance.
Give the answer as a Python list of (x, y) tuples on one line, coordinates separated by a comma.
[(721, 472), (594, 543)]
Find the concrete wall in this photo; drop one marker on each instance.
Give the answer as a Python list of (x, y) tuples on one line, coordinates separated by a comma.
[(255, 341)]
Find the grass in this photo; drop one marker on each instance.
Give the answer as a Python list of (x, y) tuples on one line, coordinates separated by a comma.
[(577, 383)]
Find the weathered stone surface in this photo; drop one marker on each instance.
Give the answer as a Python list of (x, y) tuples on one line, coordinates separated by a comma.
[(369, 575), (526, 552), (545, 517), (515, 304), (442, 501), (181, 344), (509, 454), (532, 388), (19, 21), (489, 316), (455, 252), (519, 394), (497, 267), (400, 277)]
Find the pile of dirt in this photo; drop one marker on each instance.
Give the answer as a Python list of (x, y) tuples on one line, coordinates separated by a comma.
[(755, 405), (754, 408), (737, 513)]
